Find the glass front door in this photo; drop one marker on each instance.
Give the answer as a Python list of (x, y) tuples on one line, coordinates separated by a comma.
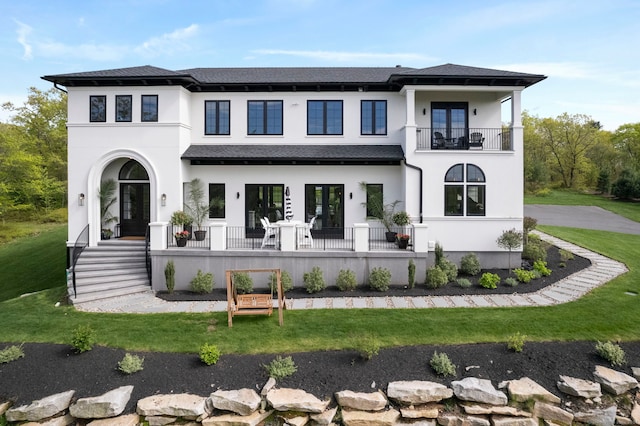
[(325, 203), (262, 201), (134, 208)]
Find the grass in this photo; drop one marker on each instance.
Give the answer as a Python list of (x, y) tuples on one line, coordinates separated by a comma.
[(606, 314)]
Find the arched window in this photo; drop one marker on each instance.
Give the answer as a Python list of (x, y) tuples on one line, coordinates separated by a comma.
[(132, 170), (464, 193)]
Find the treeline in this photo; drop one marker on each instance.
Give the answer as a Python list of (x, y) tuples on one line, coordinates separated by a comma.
[(572, 151), (33, 157)]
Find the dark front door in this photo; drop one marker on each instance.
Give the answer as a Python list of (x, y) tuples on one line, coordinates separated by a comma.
[(134, 208), (325, 203), (262, 201)]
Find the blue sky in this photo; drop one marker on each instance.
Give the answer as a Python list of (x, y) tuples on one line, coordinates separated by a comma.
[(587, 48)]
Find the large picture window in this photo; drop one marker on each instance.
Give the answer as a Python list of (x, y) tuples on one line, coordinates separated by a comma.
[(464, 191), (216, 201), (97, 108), (123, 108), (216, 117), (149, 108), (324, 117), (373, 117), (264, 117)]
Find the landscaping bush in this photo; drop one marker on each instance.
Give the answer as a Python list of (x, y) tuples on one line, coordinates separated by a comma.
[(516, 342), (535, 249), (367, 346), (541, 267), (280, 367), (449, 268), (11, 353), (209, 354), (510, 281), (379, 279), (469, 264), (435, 278), (285, 278), (243, 282), (170, 276), (438, 251), (442, 365), (131, 364), (523, 275), (411, 271), (202, 283), (611, 352), (83, 339), (565, 255), (463, 282), (489, 280), (314, 280), (346, 280)]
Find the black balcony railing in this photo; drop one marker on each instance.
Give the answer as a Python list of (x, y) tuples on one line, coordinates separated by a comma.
[(483, 139)]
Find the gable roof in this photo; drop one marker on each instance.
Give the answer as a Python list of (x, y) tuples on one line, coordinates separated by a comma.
[(303, 79)]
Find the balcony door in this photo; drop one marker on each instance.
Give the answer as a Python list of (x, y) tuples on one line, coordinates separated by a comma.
[(262, 201), (450, 119), (325, 202)]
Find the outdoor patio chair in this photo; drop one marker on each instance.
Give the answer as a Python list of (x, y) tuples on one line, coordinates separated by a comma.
[(438, 140), (476, 140), (306, 239), (269, 232)]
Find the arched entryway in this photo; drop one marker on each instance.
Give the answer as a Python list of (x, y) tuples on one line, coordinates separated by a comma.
[(135, 199)]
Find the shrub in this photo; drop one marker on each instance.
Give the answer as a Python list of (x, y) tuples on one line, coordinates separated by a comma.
[(565, 255), (436, 277), (611, 352), (535, 249), (438, 251), (379, 279), (367, 346), (209, 354), (523, 275), (170, 276), (243, 282), (442, 365), (469, 264), (449, 268), (314, 281), (528, 225), (463, 282), (202, 283), (510, 281), (285, 279), (131, 364), (280, 367), (510, 239), (489, 280), (11, 353), (346, 280), (411, 271), (541, 266), (515, 342), (83, 339)]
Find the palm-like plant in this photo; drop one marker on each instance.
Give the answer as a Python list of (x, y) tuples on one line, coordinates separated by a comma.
[(107, 199)]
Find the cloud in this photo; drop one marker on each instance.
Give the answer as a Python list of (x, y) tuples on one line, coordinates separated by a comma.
[(333, 56), (24, 31), (168, 43)]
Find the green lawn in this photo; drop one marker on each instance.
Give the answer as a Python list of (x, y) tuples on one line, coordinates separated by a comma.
[(605, 314)]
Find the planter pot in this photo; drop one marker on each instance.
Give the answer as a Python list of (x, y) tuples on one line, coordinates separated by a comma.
[(402, 244), (200, 235), (391, 236), (189, 229), (181, 242)]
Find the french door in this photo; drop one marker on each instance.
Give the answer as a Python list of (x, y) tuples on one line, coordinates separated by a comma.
[(262, 201), (325, 202), (450, 119), (134, 208)]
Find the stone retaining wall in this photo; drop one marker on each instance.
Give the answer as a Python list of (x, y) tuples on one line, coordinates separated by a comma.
[(608, 400)]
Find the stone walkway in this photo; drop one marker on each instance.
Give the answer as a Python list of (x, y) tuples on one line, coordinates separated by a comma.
[(601, 271)]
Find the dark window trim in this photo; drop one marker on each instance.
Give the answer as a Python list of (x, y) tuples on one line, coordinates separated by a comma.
[(212, 207), (265, 117), (446, 131), (324, 117), (142, 111), (373, 117), (217, 132), (129, 117), (465, 184), (102, 117), (370, 187)]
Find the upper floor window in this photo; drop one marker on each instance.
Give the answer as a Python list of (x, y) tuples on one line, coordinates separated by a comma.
[(324, 117), (450, 119), (264, 117), (216, 117), (149, 110), (97, 108), (123, 107), (216, 200), (373, 117), (464, 192)]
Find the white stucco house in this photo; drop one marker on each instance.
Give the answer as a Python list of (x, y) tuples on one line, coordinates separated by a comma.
[(433, 138)]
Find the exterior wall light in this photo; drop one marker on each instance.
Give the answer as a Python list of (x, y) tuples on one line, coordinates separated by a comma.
[(81, 199), (163, 199)]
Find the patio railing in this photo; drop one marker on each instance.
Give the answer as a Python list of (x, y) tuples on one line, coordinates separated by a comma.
[(378, 240), (191, 241), (482, 139), (240, 237)]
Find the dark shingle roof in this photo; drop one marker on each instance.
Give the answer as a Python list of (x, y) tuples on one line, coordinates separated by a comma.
[(294, 154)]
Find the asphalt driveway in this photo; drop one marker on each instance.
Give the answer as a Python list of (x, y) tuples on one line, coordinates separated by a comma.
[(586, 217)]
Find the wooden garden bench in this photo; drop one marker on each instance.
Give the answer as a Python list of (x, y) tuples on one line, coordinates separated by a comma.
[(253, 303)]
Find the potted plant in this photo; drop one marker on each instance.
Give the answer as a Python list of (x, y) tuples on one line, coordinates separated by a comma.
[(401, 218), (198, 209), (403, 240), (180, 218), (377, 209), (181, 238), (107, 199)]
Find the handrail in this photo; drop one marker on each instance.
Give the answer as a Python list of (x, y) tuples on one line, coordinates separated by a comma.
[(147, 252), (78, 247)]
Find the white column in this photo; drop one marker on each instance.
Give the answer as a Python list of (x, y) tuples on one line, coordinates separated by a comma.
[(361, 237), (158, 235), (411, 107), (287, 236), (420, 238), (516, 108), (218, 236)]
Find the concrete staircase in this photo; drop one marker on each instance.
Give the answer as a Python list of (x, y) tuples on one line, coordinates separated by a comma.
[(113, 268)]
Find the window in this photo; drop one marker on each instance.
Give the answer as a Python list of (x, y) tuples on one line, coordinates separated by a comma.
[(216, 200), (373, 117), (264, 117), (324, 117), (374, 199), (123, 108), (216, 117), (149, 108), (464, 193), (450, 119), (97, 108)]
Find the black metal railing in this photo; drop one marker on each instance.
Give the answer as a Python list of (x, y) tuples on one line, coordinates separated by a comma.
[(380, 239), (469, 138), (337, 239), (147, 252), (78, 247), (195, 239), (240, 237)]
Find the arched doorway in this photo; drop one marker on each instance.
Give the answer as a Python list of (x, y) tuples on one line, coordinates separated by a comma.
[(134, 199)]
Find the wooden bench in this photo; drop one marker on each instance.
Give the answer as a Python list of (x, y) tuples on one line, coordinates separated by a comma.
[(253, 303)]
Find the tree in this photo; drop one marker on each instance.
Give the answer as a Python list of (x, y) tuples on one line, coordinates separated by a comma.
[(626, 140), (511, 240)]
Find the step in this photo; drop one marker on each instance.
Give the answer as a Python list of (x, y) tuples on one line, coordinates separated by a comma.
[(109, 268), (106, 286), (82, 280), (102, 260), (107, 294), (88, 272)]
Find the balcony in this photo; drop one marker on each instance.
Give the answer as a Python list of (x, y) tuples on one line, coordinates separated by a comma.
[(479, 139)]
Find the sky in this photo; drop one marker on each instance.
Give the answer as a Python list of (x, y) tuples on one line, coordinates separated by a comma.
[(588, 49)]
